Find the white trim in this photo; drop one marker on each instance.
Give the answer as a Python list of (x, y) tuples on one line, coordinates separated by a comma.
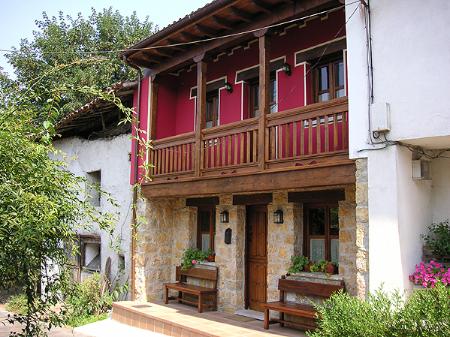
[(344, 57), (304, 63), (316, 46)]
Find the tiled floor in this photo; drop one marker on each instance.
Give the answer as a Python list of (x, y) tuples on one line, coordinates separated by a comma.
[(181, 320)]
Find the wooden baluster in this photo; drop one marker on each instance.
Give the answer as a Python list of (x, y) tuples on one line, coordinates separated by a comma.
[(179, 157), (183, 157), (223, 145), (159, 161), (273, 142), (327, 140), (171, 158), (310, 130), (248, 146), (235, 149), (241, 147), (255, 146), (229, 150), (335, 132), (287, 140), (294, 139), (279, 129), (207, 148), (318, 135), (188, 156), (217, 152), (344, 131), (302, 137), (213, 152)]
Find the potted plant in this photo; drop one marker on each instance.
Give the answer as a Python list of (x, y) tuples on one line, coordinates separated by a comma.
[(211, 256), (437, 242), (298, 263), (192, 256), (331, 268), (319, 267)]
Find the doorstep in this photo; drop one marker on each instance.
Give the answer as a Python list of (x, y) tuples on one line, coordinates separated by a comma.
[(180, 320)]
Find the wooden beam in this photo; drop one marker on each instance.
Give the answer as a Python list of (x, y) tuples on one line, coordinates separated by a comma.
[(205, 30), (243, 15), (189, 36), (264, 99), (252, 199), (308, 177), (163, 52), (179, 48), (153, 107), (263, 6), (223, 22), (201, 112), (333, 195), (287, 11), (206, 201)]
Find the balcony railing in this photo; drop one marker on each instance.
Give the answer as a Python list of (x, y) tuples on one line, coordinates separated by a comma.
[(292, 136)]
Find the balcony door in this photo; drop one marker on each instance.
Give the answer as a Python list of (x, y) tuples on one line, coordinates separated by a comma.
[(212, 109)]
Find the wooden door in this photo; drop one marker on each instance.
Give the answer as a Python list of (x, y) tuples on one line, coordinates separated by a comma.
[(256, 267)]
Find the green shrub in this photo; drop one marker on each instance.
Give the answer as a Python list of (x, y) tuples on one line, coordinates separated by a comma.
[(425, 314), (298, 263), (17, 304), (192, 256), (438, 239), (319, 266)]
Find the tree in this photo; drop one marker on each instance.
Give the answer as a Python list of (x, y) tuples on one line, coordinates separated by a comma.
[(65, 40)]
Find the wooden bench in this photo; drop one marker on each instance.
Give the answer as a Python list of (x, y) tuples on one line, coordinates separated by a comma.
[(201, 292), (296, 309)]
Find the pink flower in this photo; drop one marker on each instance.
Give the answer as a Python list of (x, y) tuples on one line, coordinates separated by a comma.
[(194, 261), (428, 274)]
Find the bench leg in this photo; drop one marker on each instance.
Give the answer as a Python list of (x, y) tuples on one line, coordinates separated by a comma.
[(282, 318), (166, 297), (180, 295), (266, 319), (200, 303)]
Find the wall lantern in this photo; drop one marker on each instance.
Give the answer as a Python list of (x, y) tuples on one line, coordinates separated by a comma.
[(228, 87), (286, 68), (278, 216), (224, 217)]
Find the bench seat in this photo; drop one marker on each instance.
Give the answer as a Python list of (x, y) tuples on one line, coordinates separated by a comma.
[(190, 288), (291, 308)]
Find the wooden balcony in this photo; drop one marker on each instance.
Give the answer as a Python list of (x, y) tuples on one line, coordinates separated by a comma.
[(300, 145)]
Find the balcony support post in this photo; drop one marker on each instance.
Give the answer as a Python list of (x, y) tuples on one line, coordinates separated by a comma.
[(153, 107), (264, 98), (200, 112)]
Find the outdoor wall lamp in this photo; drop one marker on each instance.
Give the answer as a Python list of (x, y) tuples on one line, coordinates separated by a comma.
[(286, 68), (224, 217), (228, 87), (278, 216)]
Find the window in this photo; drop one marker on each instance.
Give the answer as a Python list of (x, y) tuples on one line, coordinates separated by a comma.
[(322, 232), (94, 183), (212, 109), (254, 96), (329, 79), (206, 227), (90, 248)]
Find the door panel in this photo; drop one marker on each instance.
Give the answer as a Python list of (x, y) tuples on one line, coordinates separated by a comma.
[(256, 257)]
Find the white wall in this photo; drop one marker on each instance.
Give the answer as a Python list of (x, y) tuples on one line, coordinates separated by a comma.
[(411, 59), (111, 157)]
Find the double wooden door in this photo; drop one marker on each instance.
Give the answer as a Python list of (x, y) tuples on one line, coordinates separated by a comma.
[(256, 257)]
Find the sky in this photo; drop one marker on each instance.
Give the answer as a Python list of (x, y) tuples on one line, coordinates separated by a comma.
[(17, 17)]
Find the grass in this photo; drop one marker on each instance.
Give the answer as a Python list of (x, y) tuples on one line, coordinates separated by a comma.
[(83, 320), (17, 304)]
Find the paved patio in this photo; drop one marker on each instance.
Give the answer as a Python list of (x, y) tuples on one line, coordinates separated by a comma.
[(181, 320)]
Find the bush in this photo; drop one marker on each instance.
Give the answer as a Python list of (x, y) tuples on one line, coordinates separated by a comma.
[(192, 256), (298, 263), (425, 314), (17, 304), (438, 239)]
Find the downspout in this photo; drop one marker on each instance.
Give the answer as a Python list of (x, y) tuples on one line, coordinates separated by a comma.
[(136, 173)]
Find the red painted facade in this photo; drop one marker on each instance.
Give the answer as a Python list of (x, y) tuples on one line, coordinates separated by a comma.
[(176, 108)]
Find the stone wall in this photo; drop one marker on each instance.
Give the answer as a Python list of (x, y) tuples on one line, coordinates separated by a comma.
[(362, 229), (230, 258), (283, 240)]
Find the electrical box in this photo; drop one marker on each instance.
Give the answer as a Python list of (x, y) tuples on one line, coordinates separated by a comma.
[(381, 117), (421, 170)]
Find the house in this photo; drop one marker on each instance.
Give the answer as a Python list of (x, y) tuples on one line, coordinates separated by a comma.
[(249, 155), (399, 127), (97, 148)]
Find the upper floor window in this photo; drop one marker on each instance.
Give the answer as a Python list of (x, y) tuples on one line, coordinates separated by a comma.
[(254, 96), (329, 79), (212, 109), (94, 183)]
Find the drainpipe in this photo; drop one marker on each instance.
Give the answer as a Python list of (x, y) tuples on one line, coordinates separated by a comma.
[(136, 172)]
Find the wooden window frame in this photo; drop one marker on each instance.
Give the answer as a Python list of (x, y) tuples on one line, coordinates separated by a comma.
[(330, 62), (327, 236), (253, 84), (212, 225)]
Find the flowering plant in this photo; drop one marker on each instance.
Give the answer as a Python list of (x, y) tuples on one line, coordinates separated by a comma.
[(428, 274), (192, 256)]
